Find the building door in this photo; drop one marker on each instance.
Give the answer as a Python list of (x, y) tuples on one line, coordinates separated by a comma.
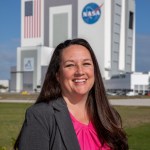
[(28, 81), (60, 24)]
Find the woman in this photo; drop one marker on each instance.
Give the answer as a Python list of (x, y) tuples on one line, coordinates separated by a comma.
[(72, 111)]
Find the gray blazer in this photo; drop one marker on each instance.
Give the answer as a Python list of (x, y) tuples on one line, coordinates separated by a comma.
[(48, 127)]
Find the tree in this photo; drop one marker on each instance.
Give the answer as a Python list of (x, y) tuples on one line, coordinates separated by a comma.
[(3, 87)]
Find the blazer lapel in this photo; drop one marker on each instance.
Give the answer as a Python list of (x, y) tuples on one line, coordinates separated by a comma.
[(65, 124)]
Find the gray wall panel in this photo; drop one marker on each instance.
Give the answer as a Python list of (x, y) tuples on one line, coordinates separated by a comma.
[(30, 54), (51, 3)]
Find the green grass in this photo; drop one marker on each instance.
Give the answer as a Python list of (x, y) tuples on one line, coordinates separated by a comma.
[(136, 121), (139, 137), (11, 118), (133, 116)]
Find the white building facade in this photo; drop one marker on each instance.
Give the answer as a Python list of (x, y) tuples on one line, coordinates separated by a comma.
[(137, 83), (109, 27)]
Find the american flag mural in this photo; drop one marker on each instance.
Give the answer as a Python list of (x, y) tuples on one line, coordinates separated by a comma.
[(32, 19)]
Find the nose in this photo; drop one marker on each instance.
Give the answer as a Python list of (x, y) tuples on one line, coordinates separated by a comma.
[(79, 70)]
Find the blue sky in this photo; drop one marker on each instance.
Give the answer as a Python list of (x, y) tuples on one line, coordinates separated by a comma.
[(10, 35)]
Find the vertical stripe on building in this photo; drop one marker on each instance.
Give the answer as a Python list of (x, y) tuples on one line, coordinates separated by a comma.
[(32, 19)]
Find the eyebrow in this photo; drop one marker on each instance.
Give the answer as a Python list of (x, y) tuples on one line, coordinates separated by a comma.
[(73, 60)]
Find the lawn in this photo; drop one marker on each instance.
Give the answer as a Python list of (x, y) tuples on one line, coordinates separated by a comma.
[(136, 121), (11, 118)]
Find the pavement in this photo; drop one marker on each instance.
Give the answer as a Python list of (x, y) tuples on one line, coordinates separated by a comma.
[(130, 102), (16, 101), (117, 102)]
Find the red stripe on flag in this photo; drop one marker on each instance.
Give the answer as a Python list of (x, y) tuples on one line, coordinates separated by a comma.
[(37, 18)]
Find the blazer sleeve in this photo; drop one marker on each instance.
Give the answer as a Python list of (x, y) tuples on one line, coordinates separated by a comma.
[(36, 128)]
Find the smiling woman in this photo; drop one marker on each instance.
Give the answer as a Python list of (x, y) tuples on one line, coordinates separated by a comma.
[(76, 73), (72, 111)]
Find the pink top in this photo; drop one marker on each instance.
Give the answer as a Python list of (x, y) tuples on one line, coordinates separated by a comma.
[(87, 136)]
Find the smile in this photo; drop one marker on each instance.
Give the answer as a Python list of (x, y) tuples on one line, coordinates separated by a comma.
[(79, 81)]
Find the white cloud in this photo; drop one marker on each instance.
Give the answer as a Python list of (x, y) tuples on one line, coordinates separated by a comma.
[(143, 53)]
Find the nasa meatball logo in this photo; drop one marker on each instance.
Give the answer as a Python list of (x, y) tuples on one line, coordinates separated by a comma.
[(91, 13)]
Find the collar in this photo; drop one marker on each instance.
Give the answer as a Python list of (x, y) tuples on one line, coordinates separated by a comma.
[(65, 124)]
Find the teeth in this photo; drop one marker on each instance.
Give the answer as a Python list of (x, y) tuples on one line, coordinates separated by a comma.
[(83, 80)]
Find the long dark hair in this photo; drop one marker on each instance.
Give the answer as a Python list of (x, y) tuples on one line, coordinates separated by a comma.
[(105, 118)]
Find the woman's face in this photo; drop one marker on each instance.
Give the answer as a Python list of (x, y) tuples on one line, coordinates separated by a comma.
[(76, 73)]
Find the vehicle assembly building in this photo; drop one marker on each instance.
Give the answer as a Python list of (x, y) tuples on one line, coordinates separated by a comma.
[(109, 27)]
